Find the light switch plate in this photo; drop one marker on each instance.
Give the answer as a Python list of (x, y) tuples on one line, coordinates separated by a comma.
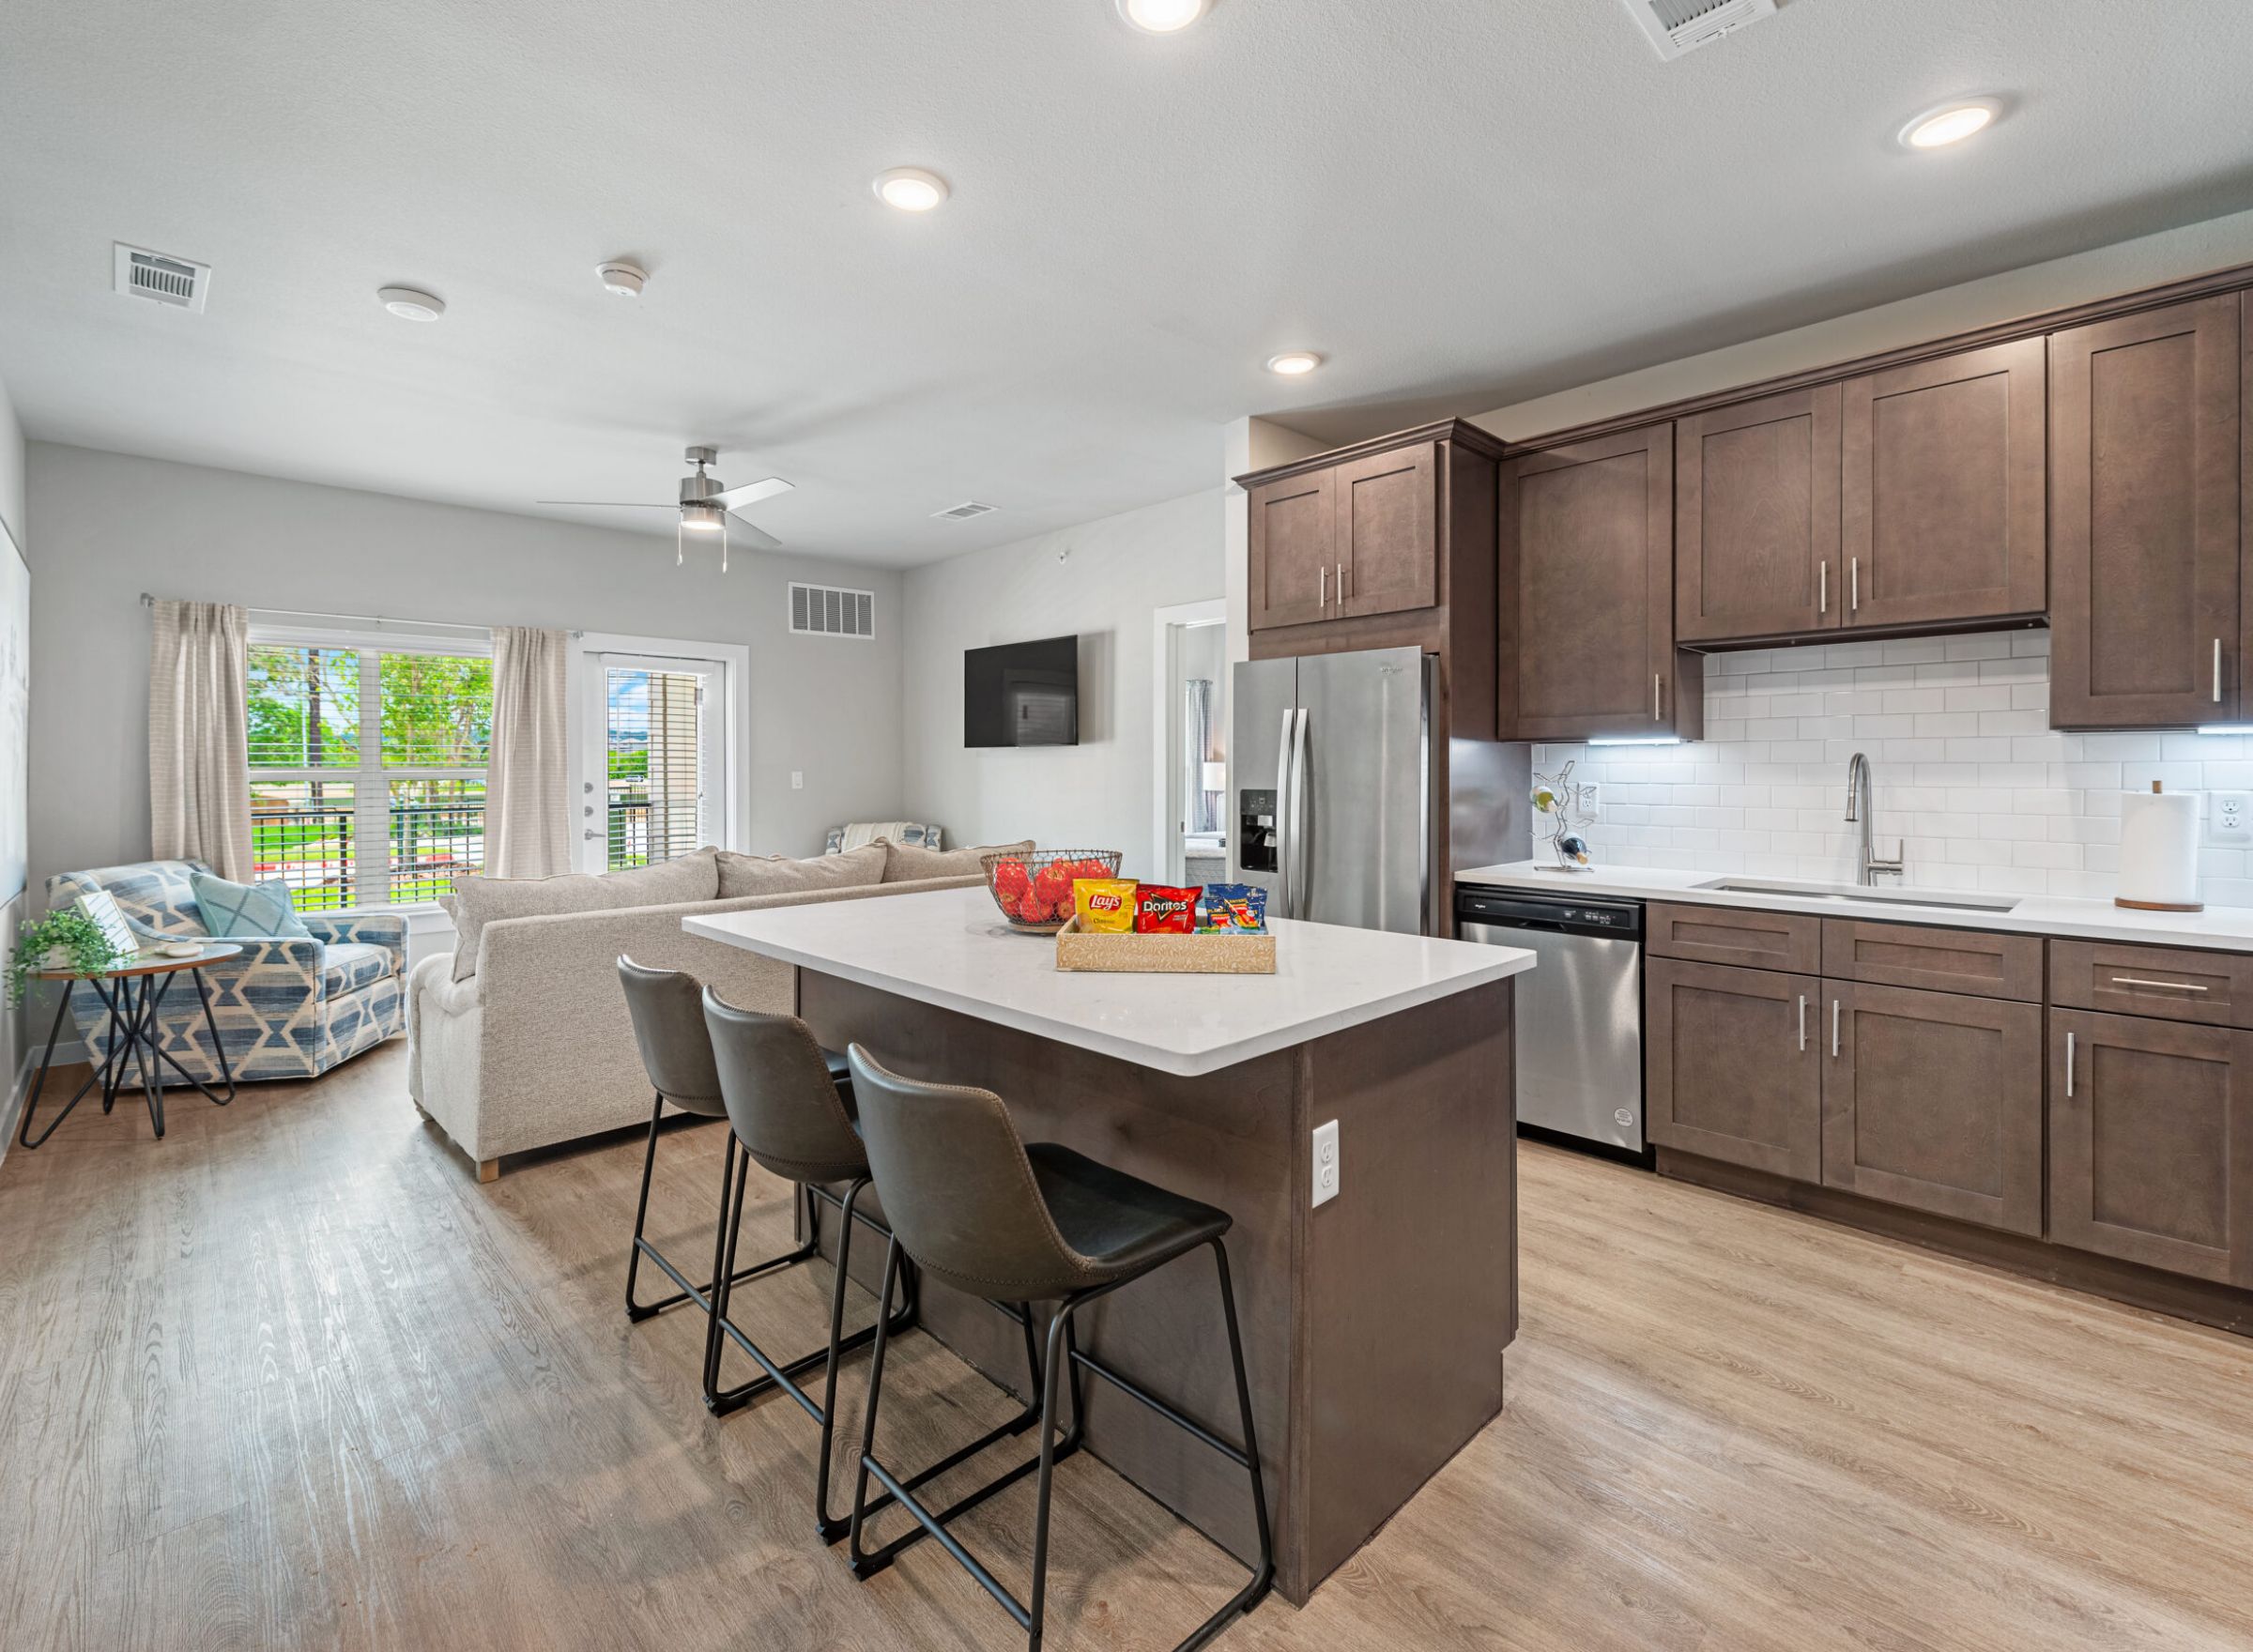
[(797, 780), (2230, 817), (1326, 1167)]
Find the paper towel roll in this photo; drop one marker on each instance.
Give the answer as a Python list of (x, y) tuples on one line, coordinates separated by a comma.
[(2158, 849)]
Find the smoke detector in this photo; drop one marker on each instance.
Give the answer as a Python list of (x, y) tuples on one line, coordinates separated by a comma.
[(139, 274), (625, 280), (965, 511), (411, 303), (1676, 26)]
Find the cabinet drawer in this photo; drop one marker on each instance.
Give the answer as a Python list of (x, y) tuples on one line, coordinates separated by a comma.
[(1937, 960), (2214, 988), (1726, 934)]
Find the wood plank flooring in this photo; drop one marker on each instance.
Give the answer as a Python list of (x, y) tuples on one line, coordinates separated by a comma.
[(292, 1378)]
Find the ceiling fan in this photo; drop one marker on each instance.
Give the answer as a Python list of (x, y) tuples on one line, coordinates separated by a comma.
[(705, 504)]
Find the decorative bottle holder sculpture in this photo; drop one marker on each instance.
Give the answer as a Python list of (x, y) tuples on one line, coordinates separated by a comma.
[(1556, 800)]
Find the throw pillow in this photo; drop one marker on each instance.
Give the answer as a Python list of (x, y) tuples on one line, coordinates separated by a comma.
[(479, 900), (904, 863), (243, 911), (748, 875)]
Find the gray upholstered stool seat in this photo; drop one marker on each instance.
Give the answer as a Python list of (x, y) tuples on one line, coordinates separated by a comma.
[(1118, 1225)]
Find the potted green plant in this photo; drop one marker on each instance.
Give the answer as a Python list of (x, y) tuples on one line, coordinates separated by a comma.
[(65, 940)]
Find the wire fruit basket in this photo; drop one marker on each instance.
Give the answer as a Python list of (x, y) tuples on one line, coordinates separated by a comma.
[(1033, 891)]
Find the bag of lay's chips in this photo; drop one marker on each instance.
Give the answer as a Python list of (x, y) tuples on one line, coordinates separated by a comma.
[(1105, 904), (1233, 908)]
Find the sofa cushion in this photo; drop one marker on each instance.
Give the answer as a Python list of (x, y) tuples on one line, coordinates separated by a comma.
[(747, 875), (242, 909), (860, 834), (346, 966), (479, 900), (904, 863)]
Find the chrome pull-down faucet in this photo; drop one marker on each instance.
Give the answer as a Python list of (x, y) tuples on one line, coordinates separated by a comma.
[(1861, 806)]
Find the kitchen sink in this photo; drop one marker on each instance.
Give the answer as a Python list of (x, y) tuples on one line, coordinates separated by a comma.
[(1855, 895)]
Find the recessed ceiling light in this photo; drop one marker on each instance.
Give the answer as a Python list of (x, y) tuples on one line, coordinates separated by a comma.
[(1162, 17), (1291, 363), (625, 280), (411, 303), (1950, 123), (911, 188)]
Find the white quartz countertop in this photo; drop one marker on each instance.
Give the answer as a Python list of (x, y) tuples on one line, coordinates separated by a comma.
[(2217, 928), (949, 948)]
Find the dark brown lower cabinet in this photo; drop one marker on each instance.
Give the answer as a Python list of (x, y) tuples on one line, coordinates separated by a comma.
[(1733, 1064), (2151, 1142), (1934, 1101)]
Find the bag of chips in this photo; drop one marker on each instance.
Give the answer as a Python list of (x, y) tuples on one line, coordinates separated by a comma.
[(1105, 904), (1233, 908), (1162, 909)]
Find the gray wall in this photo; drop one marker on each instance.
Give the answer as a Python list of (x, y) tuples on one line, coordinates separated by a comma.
[(116, 525), (1103, 581), (12, 514)]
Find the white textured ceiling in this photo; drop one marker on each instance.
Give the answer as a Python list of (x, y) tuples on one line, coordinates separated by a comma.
[(1462, 202)]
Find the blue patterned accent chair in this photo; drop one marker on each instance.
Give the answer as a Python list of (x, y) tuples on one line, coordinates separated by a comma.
[(287, 1008)]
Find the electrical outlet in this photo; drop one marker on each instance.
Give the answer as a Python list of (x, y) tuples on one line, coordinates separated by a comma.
[(797, 780), (1326, 1162), (2230, 816), (1591, 799)]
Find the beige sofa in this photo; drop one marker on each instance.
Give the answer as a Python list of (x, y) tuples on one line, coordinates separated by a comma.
[(531, 1045)]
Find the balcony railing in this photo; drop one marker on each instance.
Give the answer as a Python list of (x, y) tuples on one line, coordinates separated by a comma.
[(312, 851)]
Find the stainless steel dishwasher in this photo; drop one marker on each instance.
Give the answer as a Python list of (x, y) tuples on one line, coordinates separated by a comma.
[(1579, 1014)]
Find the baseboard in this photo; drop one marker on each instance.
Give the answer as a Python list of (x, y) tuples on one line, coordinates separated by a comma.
[(16, 1092)]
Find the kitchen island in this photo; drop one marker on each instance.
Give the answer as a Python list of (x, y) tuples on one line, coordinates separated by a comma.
[(1374, 1325)]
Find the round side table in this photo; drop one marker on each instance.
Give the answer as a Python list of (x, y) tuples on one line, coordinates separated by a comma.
[(133, 993)]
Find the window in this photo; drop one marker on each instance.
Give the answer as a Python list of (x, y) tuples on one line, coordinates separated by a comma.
[(367, 768)]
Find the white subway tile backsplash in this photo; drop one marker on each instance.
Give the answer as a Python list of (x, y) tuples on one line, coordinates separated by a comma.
[(1981, 793)]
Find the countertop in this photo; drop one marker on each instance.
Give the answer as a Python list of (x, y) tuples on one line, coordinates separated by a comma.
[(949, 948), (2217, 928)]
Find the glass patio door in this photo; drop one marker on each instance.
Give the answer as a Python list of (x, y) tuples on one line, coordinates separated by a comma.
[(656, 763)]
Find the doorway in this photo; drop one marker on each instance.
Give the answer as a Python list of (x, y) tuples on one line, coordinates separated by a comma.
[(1189, 742), (654, 734)]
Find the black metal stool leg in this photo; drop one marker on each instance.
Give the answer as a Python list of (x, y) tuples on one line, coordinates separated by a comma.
[(634, 1310), (1059, 1357)]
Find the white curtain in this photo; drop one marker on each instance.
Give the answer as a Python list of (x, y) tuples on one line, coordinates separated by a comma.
[(528, 778), (199, 742)]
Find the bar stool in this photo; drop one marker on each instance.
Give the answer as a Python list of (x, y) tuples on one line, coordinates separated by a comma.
[(667, 1007), (972, 1205)]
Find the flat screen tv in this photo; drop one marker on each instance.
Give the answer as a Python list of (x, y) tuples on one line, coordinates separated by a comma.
[(1022, 693)]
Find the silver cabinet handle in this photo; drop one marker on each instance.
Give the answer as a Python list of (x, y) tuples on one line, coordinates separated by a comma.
[(2170, 985), (2217, 670), (1822, 587), (1835, 1029), (2069, 1065), (1854, 584), (1341, 585), (1657, 698), (1321, 587), (1803, 1022)]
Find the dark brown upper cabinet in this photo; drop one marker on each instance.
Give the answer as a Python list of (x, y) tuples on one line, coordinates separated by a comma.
[(1294, 542), (1587, 588), (1755, 491), (2145, 427), (1387, 554), (1942, 493)]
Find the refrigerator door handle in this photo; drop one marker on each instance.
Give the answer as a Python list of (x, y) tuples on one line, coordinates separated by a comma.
[(1283, 831), (1300, 809)]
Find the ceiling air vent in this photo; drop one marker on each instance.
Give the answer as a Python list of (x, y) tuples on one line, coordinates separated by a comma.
[(1676, 26), (821, 610), (965, 511), (181, 282)]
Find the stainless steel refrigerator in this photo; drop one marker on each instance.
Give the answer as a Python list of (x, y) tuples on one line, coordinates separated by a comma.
[(1334, 792)]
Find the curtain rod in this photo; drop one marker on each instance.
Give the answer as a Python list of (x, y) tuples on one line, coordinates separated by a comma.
[(149, 602)]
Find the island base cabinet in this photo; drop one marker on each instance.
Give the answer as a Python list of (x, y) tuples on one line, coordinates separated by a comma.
[(1732, 1066), (1934, 1101), (2151, 1142)]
